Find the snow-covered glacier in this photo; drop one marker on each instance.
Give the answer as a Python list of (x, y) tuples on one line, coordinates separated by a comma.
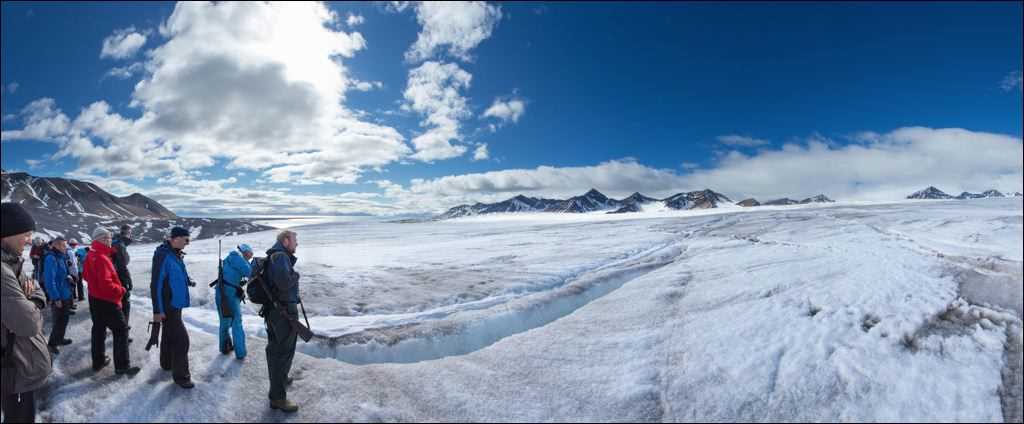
[(905, 311)]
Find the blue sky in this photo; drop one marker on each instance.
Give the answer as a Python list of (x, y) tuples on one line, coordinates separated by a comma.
[(860, 101)]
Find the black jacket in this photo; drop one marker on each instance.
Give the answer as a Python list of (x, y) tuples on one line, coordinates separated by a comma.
[(121, 260)]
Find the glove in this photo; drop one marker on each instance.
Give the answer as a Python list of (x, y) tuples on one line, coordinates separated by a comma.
[(191, 282)]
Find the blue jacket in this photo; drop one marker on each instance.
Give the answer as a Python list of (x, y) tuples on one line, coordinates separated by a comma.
[(235, 267), (80, 253), (282, 278), (169, 279), (55, 275)]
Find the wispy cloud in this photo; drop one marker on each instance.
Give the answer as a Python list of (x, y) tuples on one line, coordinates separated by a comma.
[(1011, 81), (740, 140)]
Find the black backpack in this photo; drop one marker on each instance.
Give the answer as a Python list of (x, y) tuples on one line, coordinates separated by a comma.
[(255, 289)]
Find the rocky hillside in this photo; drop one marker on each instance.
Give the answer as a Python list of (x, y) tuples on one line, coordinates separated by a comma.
[(74, 208)]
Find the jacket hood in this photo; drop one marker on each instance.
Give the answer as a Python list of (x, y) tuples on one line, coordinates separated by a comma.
[(101, 248)]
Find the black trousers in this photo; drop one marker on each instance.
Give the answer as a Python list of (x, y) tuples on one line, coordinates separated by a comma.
[(20, 408), (281, 338), (107, 315), (61, 316), (174, 345), (126, 306), (81, 288)]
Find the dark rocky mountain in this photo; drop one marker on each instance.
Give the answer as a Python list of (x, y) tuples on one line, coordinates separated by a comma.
[(934, 193), (781, 202), (930, 193), (703, 199), (634, 203), (638, 198), (821, 198), (785, 201), (628, 208), (591, 201), (966, 195), (74, 208), (77, 197)]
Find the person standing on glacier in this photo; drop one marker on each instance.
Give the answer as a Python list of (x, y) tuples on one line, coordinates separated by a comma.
[(236, 268)]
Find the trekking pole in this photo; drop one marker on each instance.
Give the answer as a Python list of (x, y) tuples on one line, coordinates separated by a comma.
[(303, 307)]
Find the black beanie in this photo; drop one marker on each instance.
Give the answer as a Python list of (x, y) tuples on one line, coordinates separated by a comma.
[(179, 232), (15, 220)]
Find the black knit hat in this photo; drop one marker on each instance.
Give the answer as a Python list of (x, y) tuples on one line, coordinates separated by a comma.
[(179, 232), (16, 220)]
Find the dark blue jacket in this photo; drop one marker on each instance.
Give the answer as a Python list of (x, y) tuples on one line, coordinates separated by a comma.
[(55, 275), (282, 280), (121, 260), (169, 279)]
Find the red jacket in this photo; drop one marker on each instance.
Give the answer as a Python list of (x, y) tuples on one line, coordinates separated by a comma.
[(99, 272)]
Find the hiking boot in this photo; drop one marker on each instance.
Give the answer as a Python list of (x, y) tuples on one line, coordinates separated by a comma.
[(185, 384), (106, 361), (74, 307), (284, 405), (65, 342), (128, 371)]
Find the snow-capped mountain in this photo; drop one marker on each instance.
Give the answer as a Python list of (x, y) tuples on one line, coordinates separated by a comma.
[(638, 199), (785, 201), (781, 202), (821, 198), (74, 208), (634, 203), (78, 197), (930, 193), (519, 203), (703, 199), (591, 201), (934, 193)]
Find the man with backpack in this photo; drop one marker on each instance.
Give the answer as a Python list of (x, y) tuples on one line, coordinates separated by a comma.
[(275, 284), (229, 294)]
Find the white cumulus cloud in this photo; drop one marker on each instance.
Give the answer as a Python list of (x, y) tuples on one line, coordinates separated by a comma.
[(434, 90), (509, 110), (481, 153), (455, 27), (257, 86), (122, 44)]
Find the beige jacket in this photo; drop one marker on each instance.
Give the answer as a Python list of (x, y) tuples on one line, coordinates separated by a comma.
[(29, 359)]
